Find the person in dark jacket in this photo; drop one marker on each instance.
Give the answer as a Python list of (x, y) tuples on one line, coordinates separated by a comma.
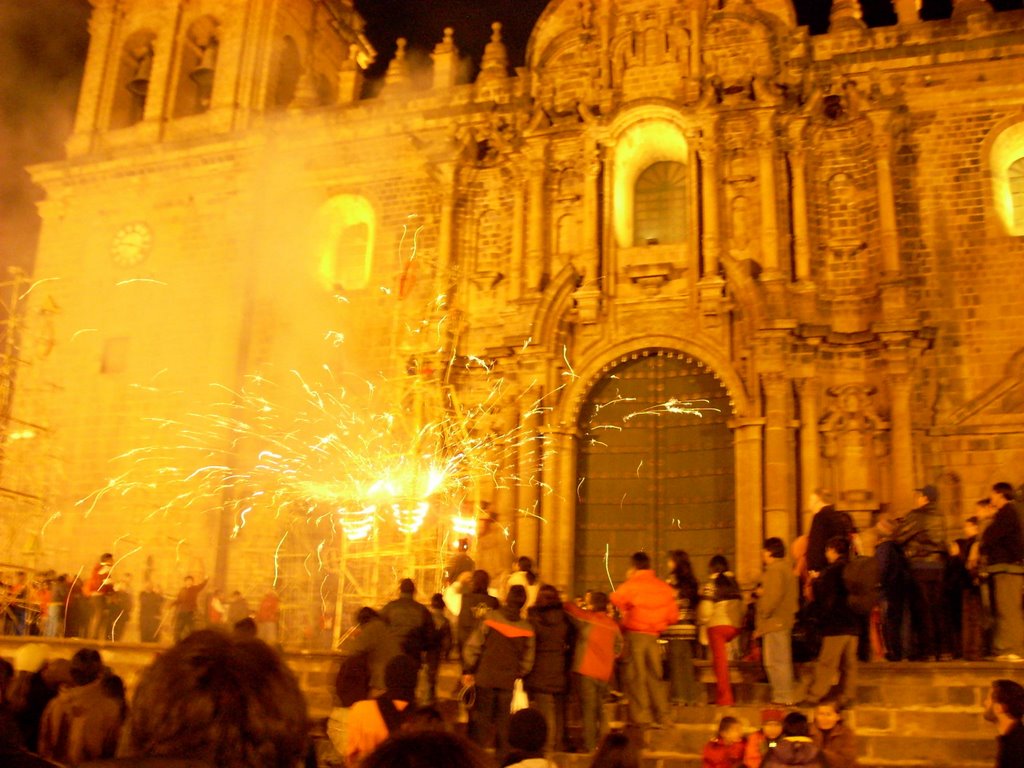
[(548, 681), (921, 535), (835, 739), (1002, 555), (839, 628), (1004, 706), (827, 523), (795, 747), (372, 638), (681, 634), (497, 653), (475, 606), (409, 622)]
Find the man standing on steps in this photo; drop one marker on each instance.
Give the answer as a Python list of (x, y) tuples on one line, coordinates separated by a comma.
[(1002, 555), (776, 611), (840, 627), (1004, 706), (648, 607)]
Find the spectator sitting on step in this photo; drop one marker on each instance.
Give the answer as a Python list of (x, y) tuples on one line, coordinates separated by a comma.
[(834, 738), (371, 721), (726, 749), (1004, 706), (760, 742), (795, 747)]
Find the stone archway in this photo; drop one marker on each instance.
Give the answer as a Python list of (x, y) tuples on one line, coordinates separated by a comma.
[(649, 475)]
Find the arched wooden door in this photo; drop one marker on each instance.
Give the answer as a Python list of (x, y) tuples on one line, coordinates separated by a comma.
[(652, 477)]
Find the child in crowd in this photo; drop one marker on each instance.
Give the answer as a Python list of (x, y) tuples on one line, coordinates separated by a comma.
[(761, 742), (833, 737), (726, 749), (527, 735), (795, 748)]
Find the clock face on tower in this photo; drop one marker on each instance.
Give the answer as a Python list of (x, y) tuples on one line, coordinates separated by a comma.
[(131, 244)]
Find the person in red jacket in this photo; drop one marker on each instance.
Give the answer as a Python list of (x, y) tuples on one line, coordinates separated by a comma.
[(598, 644), (726, 749), (648, 607), (759, 743)]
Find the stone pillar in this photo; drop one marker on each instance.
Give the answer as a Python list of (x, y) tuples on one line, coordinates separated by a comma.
[(881, 124), (962, 9), (591, 215), (749, 499), (529, 459), (444, 174), (798, 170), (517, 262), (769, 202), (536, 223), (100, 62), (906, 11), (809, 390), (711, 240), (902, 454), (558, 536), (446, 61), (350, 78), (778, 457), (845, 16)]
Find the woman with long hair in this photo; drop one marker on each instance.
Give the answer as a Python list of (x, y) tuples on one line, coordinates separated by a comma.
[(681, 634), (720, 613)]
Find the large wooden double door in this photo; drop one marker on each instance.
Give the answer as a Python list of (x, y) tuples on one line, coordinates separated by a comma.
[(652, 476)]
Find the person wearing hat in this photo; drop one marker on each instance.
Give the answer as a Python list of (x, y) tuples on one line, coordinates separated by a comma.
[(763, 740), (921, 535), (527, 737), (371, 721)]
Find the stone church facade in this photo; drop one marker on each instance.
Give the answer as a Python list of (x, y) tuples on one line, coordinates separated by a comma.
[(815, 241)]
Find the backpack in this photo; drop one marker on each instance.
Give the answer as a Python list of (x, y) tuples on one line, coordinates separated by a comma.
[(353, 681), (862, 580)]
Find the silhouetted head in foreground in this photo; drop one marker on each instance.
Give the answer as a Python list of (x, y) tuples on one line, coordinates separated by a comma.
[(221, 700)]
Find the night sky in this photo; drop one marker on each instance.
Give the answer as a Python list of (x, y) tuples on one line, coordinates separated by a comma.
[(43, 45)]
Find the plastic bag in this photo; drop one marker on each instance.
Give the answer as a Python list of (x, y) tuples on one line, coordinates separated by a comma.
[(519, 698)]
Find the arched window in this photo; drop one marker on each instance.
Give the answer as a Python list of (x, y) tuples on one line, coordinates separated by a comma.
[(197, 67), (1006, 163), (1016, 180), (128, 104), (345, 234), (659, 204)]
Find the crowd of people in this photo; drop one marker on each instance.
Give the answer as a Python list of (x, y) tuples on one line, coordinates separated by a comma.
[(533, 663), (102, 605)]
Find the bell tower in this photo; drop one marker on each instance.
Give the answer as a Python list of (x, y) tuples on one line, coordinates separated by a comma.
[(162, 71)]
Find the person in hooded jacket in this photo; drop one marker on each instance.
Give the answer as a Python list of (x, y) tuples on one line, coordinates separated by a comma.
[(548, 681), (476, 604), (372, 637), (795, 747), (499, 651), (834, 738)]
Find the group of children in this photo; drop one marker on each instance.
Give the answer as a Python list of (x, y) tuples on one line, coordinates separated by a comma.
[(785, 739)]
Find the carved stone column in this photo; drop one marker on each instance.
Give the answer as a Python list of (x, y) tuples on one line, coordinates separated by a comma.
[(558, 538), (749, 498), (893, 291), (809, 392), (445, 175), (517, 263), (591, 218), (798, 169), (778, 457), (769, 191), (529, 460), (101, 60), (709, 154), (536, 223)]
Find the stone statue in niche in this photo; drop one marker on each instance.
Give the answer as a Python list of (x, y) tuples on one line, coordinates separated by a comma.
[(853, 438), (739, 243)]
